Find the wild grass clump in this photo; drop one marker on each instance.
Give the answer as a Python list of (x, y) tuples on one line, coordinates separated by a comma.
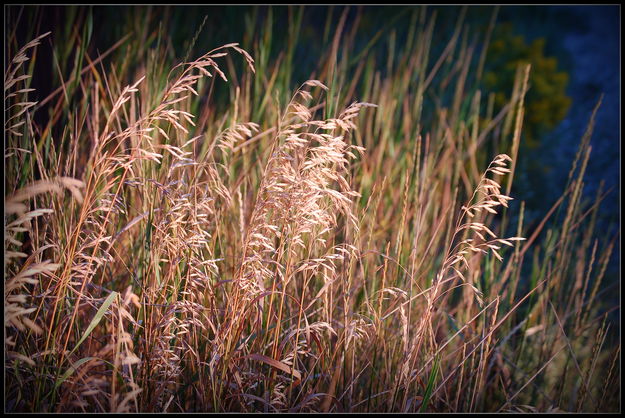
[(297, 251)]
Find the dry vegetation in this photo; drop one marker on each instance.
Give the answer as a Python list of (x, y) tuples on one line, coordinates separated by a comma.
[(315, 254)]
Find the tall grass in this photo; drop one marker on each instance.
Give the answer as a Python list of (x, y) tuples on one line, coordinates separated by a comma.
[(295, 249)]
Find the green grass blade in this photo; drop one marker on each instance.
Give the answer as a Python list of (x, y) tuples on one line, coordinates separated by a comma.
[(430, 386), (70, 370), (96, 319)]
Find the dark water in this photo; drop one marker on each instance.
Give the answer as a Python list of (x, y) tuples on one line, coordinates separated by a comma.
[(594, 47)]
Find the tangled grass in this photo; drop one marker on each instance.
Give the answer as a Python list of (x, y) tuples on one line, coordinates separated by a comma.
[(322, 255)]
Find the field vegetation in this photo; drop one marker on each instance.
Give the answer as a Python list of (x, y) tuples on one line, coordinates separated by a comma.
[(208, 232)]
